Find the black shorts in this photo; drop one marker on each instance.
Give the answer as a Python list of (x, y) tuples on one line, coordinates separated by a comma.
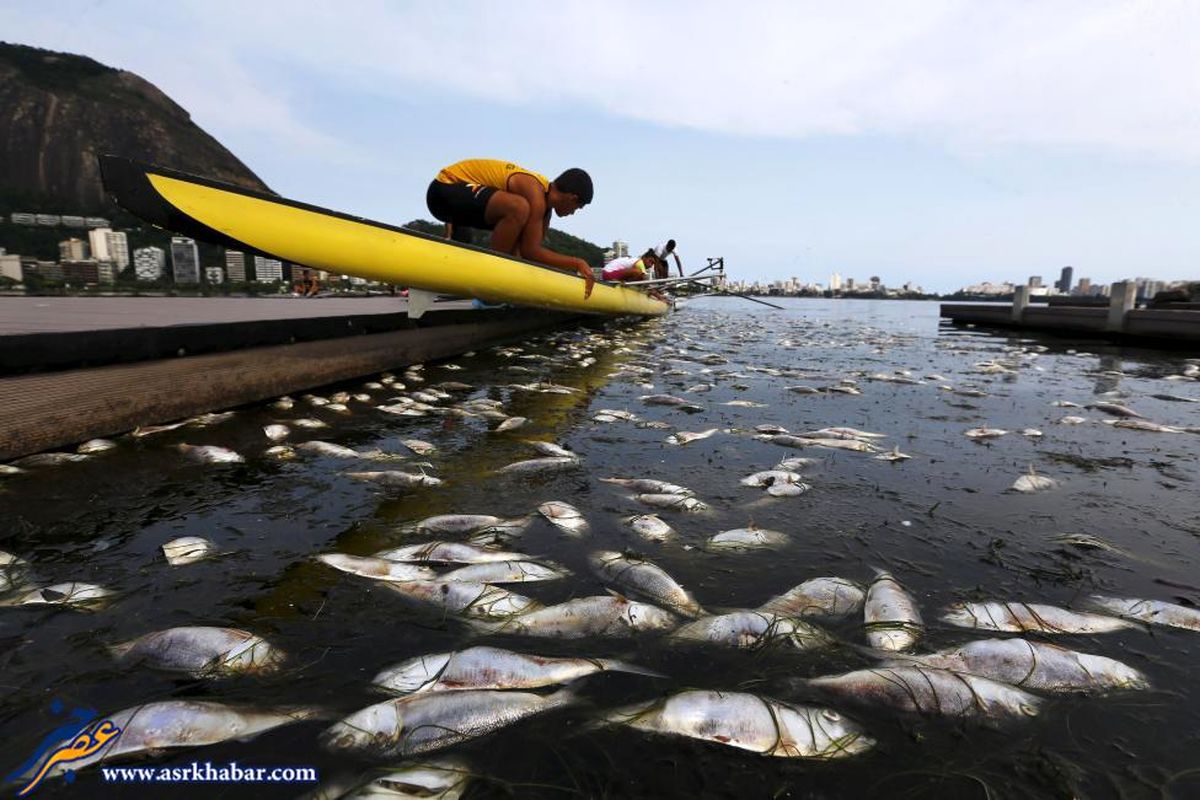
[(463, 205)]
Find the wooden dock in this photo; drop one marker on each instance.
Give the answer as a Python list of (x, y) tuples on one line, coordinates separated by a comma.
[(1120, 320), (75, 368)]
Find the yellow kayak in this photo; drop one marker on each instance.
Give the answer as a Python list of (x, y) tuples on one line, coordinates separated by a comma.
[(247, 220)]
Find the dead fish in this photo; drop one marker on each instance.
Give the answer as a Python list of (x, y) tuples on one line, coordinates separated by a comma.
[(744, 404), (48, 459), (1033, 482), (749, 722), (464, 524), (210, 454), (932, 691), (156, 727), (751, 630), (893, 455), (662, 400), (286, 403), (395, 478), (1032, 433), (649, 486), (332, 450), (9, 469), (492, 668), (188, 550), (311, 424), (281, 452), (1072, 420), (201, 652), (448, 553), (1114, 409), (1029, 618), (534, 466), (276, 433), (675, 502), (1034, 665), (843, 432), (1175, 398), (552, 449), (771, 477), (423, 722), (419, 447), (686, 437), (499, 572), (655, 424), (796, 462), (315, 400), (985, 433), (644, 578), (565, 517), (1143, 425), (462, 597), (842, 389), (802, 389), (602, 615), (771, 429), (891, 617), (1154, 612), (747, 539), (95, 446), (1065, 404), (62, 594), (150, 430), (510, 424), (818, 597), (650, 527), (788, 440), (379, 569)]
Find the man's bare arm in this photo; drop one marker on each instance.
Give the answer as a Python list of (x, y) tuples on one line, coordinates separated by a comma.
[(530, 242)]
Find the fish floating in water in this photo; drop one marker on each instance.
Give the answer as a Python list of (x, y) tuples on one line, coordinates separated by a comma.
[(210, 454), (985, 433), (448, 553), (651, 527), (201, 652), (379, 569), (750, 538), (564, 516), (1030, 618), (891, 617), (92, 446), (1032, 482), (649, 486), (75, 594), (750, 630), (674, 502), (1154, 612), (276, 433), (749, 722), (818, 597), (427, 721), (470, 599), (188, 550), (1114, 409), (499, 572), (602, 615), (540, 465), (687, 437), (464, 524), (395, 478), (493, 668), (938, 692), (644, 578)]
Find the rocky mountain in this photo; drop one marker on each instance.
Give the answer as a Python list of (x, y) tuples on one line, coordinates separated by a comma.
[(58, 111)]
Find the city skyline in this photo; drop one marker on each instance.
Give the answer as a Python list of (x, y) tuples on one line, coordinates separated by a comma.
[(938, 143)]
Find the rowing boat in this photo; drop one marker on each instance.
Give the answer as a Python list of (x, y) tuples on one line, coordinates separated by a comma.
[(258, 222)]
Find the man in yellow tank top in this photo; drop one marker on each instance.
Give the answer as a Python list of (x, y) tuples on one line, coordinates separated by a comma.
[(512, 202)]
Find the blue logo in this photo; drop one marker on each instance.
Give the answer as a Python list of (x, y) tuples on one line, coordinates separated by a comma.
[(83, 736)]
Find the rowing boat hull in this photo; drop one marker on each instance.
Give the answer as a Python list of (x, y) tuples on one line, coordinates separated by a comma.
[(315, 237)]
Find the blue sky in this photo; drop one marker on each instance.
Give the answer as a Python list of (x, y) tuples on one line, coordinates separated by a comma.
[(944, 142)]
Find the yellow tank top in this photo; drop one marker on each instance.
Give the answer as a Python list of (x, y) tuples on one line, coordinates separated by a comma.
[(487, 172)]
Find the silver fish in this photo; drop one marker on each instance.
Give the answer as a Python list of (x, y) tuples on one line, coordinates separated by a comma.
[(842, 432), (150, 430), (1030, 618), (1154, 612), (188, 550), (378, 569), (469, 523), (1033, 482), (644, 578), (932, 691), (276, 433), (63, 594), (523, 571), (1115, 409), (395, 478), (552, 449), (1143, 425), (890, 615), (95, 446), (788, 440), (423, 722), (650, 527), (448, 553), (565, 517), (649, 486), (210, 454), (492, 668), (470, 599), (309, 423), (893, 455), (747, 539), (750, 630), (687, 437), (537, 465), (201, 651), (676, 502), (1034, 665), (749, 722), (510, 424), (985, 433), (662, 400), (286, 403), (155, 727), (418, 446), (603, 615), (281, 451), (818, 597)]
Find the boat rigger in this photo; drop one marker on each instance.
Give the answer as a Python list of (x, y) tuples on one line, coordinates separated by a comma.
[(244, 219)]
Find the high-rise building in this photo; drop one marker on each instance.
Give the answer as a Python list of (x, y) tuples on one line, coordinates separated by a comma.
[(1064, 281), (185, 260), (214, 274), (835, 282), (98, 240), (10, 267), (620, 249), (267, 270), (110, 245), (1035, 281), (235, 266), (1084, 289), (72, 250), (149, 263)]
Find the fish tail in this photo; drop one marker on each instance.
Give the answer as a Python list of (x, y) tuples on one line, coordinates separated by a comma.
[(614, 665)]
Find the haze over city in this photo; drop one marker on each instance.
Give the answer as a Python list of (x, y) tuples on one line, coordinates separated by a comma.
[(943, 143)]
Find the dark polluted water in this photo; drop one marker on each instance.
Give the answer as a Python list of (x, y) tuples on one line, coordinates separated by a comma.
[(943, 522)]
